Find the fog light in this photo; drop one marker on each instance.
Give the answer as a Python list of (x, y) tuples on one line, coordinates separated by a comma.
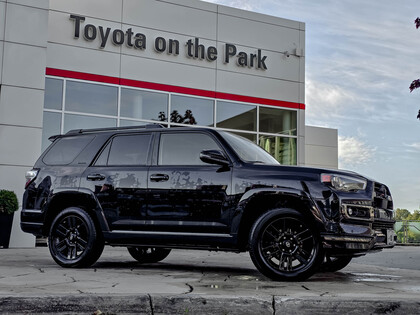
[(350, 211)]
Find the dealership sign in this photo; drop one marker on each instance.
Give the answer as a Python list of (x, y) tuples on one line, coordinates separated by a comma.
[(192, 47)]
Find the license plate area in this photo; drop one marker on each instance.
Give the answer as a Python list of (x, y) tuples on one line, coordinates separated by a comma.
[(391, 237)]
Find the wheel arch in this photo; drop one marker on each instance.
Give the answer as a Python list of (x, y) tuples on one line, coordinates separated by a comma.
[(254, 203), (83, 199)]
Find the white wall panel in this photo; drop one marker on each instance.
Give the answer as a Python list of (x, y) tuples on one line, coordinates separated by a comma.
[(41, 4), (24, 65), (83, 60), (257, 34), (62, 29), (1, 62), (279, 66), (175, 74), (26, 25), (2, 19), (182, 58), (101, 9), (321, 136), (301, 151), (20, 146), (249, 85), (21, 106), (253, 16), (321, 147), (207, 6), (171, 18), (319, 156)]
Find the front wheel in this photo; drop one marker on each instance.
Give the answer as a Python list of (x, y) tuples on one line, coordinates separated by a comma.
[(284, 246), (149, 255), (73, 240)]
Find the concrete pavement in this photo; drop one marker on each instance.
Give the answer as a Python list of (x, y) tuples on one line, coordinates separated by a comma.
[(200, 282)]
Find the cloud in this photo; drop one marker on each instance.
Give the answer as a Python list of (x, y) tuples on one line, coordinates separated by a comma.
[(415, 146), (353, 151)]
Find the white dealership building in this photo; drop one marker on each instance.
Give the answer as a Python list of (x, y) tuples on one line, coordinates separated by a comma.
[(97, 63)]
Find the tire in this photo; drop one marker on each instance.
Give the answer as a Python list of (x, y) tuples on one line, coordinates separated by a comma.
[(284, 246), (149, 255), (333, 264), (73, 240)]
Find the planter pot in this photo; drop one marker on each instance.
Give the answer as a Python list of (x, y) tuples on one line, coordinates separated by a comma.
[(6, 222)]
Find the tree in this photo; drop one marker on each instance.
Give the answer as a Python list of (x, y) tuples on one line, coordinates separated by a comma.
[(402, 214), (176, 117), (416, 83)]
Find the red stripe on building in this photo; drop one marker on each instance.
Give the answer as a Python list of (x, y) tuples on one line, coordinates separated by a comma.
[(170, 88)]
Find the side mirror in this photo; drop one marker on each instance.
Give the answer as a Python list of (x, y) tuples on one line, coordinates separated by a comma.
[(214, 157)]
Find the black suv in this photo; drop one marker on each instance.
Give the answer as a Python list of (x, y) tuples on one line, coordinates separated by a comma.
[(152, 189)]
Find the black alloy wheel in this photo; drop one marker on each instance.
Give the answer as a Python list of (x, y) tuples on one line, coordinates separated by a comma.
[(73, 240), (333, 264), (147, 255), (284, 246)]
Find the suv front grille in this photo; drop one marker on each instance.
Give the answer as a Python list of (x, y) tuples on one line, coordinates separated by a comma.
[(382, 225), (382, 197)]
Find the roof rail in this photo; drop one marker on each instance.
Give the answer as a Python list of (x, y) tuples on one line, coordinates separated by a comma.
[(148, 126)]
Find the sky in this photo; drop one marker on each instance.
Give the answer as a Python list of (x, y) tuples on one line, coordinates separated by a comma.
[(360, 58)]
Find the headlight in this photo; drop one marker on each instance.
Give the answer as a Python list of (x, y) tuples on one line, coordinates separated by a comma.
[(344, 183)]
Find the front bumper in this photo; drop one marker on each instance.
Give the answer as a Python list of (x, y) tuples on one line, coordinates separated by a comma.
[(357, 239)]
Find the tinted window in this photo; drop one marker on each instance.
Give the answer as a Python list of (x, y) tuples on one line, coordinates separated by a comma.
[(184, 148), (247, 150), (65, 150), (126, 150)]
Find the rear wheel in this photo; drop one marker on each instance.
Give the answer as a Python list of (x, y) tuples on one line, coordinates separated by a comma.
[(73, 240), (148, 254), (284, 246), (333, 264)]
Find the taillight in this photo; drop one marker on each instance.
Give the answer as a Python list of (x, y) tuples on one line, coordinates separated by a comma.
[(30, 177)]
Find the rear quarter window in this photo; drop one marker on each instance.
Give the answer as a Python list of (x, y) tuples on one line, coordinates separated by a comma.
[(65, 150)]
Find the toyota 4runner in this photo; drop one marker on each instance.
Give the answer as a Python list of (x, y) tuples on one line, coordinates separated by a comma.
[(152, 189)]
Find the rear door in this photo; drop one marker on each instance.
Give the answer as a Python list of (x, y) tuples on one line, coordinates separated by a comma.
[(186, 194), (118, 179)]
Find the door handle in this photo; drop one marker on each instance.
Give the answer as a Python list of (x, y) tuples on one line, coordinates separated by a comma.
[(159, 177), (95, 177)]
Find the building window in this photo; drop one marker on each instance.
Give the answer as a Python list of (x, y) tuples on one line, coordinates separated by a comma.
[(74, 104), (91, 98), (144, 105), (279, 121), (72, 121), (53, 96), (51, 126), (192, 110), (236, 116)]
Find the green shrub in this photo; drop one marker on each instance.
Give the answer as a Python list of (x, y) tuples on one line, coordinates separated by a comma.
[(8, 201)]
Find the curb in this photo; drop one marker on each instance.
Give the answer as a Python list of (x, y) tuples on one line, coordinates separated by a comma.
[(199, 304)]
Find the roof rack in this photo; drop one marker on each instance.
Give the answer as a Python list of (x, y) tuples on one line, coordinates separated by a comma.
[(148, 126)]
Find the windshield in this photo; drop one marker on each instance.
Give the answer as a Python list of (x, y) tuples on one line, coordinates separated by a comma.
[(247, 150)]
